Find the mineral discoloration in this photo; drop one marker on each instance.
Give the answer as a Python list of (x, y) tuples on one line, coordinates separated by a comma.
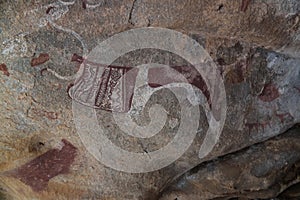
[(38, 172), (35, 147), (43, 57)]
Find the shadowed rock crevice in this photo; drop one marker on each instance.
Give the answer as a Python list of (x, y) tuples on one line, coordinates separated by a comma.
[(261, 171)]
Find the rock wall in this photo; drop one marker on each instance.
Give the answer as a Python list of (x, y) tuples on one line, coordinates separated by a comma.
[(255, 45)]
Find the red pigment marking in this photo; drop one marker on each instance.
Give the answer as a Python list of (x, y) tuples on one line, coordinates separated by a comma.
[(70, 85), (43, 113), (157, 77), (109, 79), (84, 4), (251, 126), (43, 57), (245, 5), (283, 116), (39, 171), (77, 58), (107, 83), (297, 88), (269, 93), (4, 69), (257, 126), (42, 71), (48, 9)]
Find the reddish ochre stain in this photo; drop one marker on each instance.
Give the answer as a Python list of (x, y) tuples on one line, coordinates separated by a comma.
[(43, 57), (257, 126), (245, 4), (4, 69), (283, 116), (43, 113), (269, 93), (110, 77), (77, 58), (40, 170)]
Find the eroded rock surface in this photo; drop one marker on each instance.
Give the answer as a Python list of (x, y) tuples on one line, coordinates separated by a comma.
[(261, 171)]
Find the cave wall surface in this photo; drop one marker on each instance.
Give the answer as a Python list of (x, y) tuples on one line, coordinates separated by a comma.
[(255, 45)]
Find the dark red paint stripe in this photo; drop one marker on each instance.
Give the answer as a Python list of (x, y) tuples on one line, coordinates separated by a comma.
[(39, 171)]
